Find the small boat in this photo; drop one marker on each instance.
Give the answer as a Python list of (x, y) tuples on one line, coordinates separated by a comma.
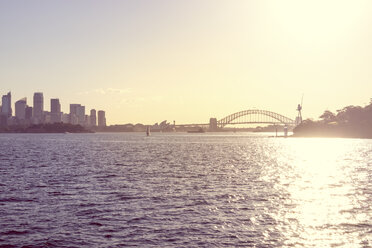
[(200, 130), (148, 133)]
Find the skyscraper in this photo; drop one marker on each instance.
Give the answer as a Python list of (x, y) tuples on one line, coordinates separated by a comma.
[(93, 118), (81, 115), (55, 106), (6, 108), (55, 110), (73, 113), (101, 118), (20, 109), (77, 114), (38, 109)]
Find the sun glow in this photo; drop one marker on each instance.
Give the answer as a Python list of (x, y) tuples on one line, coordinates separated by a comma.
[(321, 192)]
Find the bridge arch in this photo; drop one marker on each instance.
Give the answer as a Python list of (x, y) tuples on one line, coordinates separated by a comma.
[(253, 116)]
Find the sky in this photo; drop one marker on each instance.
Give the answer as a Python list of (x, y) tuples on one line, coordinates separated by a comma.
[(188, 60)]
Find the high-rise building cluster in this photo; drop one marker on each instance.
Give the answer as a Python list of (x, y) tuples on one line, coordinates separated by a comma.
[(26, 115)]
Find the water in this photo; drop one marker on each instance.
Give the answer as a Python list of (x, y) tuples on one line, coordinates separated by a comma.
[(184, 190)]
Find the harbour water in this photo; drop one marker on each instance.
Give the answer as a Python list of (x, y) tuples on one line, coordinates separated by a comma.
[(184, 190)]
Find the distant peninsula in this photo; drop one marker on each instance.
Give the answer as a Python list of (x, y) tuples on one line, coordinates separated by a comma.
[(349, 122), (46, 128)]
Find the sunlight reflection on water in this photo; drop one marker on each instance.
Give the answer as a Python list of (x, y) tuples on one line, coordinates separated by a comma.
[(324, 194)]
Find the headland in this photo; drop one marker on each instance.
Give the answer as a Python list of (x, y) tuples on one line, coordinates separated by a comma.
[(349, 122)]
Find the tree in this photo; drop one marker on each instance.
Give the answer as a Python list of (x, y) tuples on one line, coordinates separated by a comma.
[(328, 116), (351, 114)]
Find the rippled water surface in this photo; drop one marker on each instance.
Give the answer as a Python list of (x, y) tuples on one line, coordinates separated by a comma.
[(184, 190)]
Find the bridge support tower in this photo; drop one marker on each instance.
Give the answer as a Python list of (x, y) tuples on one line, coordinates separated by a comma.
[(213, 124)]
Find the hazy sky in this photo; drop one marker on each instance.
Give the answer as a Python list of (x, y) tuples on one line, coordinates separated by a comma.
[(147, 61)]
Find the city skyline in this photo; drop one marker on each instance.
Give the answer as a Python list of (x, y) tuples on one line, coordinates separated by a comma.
[(27, 114), (145, 61)]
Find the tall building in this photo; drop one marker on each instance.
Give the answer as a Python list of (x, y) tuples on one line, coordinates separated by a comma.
[(55, 110), (55, 106), (93, 118), (73, 113), (77, 114), (101, 118), (6, 108), (38, 109), (81, 115), (20, 109)]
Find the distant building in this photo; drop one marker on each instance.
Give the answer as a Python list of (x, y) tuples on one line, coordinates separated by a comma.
[(65, 118), (28, 113), (12, 121), (73, 113), (55, 106), (93, 118), (6, 108), (55, 110), (77, 114), (20, 109), (87, 121), (38, 110), (101, 118), (47, 117), (213, 124), (3, 120), (81, 115)]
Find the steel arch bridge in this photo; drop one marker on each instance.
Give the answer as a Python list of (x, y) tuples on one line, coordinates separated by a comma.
[(253, 116)]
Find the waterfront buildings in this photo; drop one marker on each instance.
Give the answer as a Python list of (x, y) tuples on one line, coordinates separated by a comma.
[(38, 110), (20, 109), (73, 113), (87, 121), (55, 110), (26, 115), (93, 118), (6, 107), (65, 118), (81, 115), (101, 118), (77, 114), (47, 117)]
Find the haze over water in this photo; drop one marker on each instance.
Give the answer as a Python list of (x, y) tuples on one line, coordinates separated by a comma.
[(183, 190)]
